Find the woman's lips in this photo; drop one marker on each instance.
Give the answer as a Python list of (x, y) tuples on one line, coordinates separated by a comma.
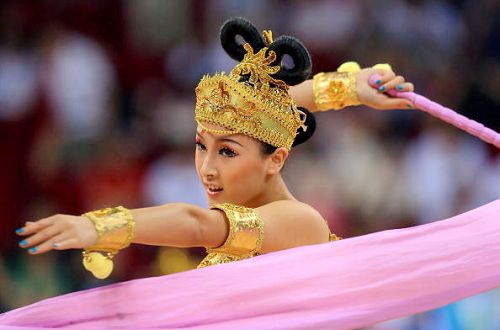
[(212, 191)]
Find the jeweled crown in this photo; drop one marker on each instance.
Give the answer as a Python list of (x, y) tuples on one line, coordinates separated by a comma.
[(249, 100)]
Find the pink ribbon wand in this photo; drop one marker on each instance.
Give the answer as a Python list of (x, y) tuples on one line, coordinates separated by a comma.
[(446, 114)]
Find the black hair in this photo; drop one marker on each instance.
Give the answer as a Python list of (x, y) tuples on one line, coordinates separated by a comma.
[(282, 46), (267, 149)]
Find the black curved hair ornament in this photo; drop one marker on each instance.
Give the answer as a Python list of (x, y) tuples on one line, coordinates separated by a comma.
[(284, 45), (237, 26), (301, 70)]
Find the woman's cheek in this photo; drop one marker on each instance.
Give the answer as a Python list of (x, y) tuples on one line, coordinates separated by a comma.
[(235, 176), (198, 161)]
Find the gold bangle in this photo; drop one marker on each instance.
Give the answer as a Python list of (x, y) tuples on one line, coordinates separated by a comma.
[(244, 240), (246, 230), (115, 231), (114, 226), (335, 90)]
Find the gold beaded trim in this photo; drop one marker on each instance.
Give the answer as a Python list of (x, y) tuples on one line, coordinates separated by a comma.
[(216, 131)]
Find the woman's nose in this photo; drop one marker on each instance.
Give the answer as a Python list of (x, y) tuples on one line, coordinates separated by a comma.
[(208, 167)]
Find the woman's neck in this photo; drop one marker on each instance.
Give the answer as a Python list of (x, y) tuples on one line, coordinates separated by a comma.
[(276, 190)]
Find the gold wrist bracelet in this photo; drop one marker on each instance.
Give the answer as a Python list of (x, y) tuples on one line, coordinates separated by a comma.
[(115, 231), (335, 90)]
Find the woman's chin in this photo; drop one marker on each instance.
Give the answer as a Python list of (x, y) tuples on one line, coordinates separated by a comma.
[(221, 198), (214, 196)]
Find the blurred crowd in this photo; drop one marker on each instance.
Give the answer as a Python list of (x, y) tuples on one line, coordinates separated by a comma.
[(97, 104)]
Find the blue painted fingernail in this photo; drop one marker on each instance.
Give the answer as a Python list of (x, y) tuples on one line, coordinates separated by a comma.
[(400, 87), (19, 230), (378, 81), (33, 249), (23, 242), (382, 88)]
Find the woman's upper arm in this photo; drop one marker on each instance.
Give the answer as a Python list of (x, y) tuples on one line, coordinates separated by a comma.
[(287, 224)]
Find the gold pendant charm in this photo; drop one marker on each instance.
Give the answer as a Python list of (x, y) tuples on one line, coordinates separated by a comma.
[(99, 265)]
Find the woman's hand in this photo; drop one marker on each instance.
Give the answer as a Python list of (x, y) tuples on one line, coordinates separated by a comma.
[(377, 99), (58, 232)]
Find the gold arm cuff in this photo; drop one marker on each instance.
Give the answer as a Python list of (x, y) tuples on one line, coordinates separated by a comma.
[(115, 228), (246, 231), (335, 90)]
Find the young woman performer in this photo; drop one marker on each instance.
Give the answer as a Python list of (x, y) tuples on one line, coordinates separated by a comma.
[(247, 125), (248, 122)]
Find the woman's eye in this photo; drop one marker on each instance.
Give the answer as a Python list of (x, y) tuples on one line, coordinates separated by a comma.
[(200, 146), (227, 152)]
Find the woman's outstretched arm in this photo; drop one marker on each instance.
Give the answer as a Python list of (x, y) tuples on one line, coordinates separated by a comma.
[(176, 224), (181, 225), (303, 93)]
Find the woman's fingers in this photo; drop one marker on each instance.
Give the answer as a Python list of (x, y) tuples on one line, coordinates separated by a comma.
[(41, 236), (398, 83), (379, 99), (58, 232), (58, 242), (389, 80), (394, 83), (408, 87), (394, 103), (33, 227), (63, 244), (385, 76)]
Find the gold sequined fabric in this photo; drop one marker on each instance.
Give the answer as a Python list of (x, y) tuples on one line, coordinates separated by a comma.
[(246, 233), (335, 90), (260, 108)]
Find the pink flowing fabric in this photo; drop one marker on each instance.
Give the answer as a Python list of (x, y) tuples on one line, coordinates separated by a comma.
[(346, 284), (446, 114)]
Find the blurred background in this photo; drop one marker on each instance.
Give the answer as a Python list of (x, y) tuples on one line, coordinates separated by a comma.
[(97, 105)]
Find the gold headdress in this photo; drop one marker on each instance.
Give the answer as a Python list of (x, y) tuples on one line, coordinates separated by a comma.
[(250, 100)]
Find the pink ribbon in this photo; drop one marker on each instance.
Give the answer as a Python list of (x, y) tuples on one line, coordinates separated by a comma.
[(346, 284), (446, 114)]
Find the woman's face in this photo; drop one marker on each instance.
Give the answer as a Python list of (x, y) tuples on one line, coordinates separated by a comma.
[(232, 167)]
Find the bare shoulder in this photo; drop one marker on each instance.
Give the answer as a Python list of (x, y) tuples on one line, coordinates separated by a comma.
[(289, 210), (291, 224)]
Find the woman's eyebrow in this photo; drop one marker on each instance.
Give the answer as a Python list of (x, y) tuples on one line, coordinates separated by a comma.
[(229, 140)]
